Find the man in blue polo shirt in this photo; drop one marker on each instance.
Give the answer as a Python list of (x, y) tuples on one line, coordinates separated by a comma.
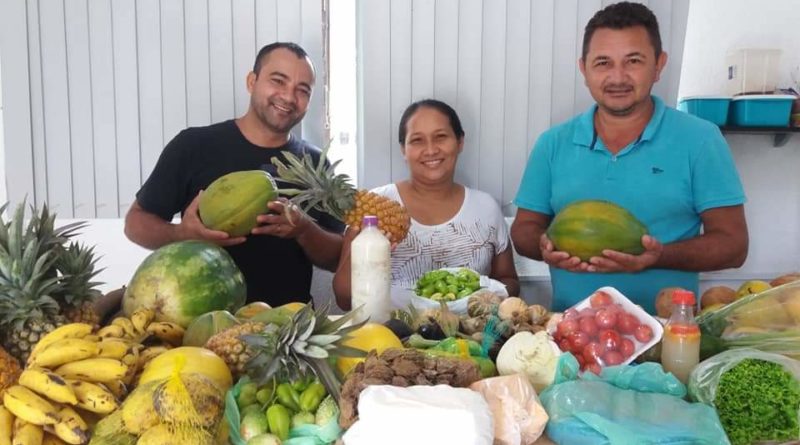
[(673, 171)]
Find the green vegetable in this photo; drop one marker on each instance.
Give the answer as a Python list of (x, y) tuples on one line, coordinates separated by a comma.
[(302, 419), (442, 285), (757, 401), (264, 439), (247, 394), (288, 397), (279, 421), (327, 411), (253, 424), (312, 396)]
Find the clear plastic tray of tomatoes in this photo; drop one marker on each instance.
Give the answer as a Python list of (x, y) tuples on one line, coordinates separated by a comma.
[(606, 329)]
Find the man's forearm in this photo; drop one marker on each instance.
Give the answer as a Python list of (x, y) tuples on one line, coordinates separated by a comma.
[(148, 230), (525, 237), (322, 247), (704, 253)]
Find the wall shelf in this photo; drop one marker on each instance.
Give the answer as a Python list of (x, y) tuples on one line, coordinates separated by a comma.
[(781, 135)]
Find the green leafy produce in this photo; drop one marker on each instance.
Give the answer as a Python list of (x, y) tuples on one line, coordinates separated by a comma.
[(758, 400), (443, 285)]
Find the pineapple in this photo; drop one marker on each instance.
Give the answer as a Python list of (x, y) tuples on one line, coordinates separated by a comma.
[(303, 344), (77, 267), (28, 279), (231, 348), (320, 187), (9, 371)]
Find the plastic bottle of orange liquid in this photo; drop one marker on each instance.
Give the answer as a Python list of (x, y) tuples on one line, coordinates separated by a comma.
[(680, 346)]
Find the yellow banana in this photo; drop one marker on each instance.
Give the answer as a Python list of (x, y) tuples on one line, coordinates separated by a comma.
[(28, 406), (48, 384), (150, 353), (169, 332), (141, 318), (93, 369), (113, 348), (26, 433), (116, 387), (71, 330), (131, 360), (72, 429), (111, 331), (94, 397), (6, 426), (127, 325), (52, 439), (64, 351)]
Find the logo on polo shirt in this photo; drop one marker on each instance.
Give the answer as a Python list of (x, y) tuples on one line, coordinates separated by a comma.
[(657, 171)]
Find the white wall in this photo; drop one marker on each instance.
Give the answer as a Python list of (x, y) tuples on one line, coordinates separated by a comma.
[(770, 174), (2, 145)]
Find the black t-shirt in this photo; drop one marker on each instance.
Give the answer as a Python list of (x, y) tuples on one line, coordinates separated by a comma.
[(276, 270)]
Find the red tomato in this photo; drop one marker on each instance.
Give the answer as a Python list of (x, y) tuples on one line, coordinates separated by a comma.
[(610, 339), (567, 326), (581, 360), (564, 345), (592, 352), (643, 333), (587, 312), (626, 347), (627, 323), (578, 340), (570, 314), (588, 325), (605, 319), (612, 358), (600, 299), (593, 367)]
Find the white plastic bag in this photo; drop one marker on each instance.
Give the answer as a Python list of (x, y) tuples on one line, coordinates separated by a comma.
[(421, 415), (519, 418)]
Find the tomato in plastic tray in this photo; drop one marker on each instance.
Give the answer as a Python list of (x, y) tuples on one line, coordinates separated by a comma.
[(606, 329)]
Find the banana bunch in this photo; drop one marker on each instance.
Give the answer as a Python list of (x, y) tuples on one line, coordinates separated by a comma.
[(142, 326)]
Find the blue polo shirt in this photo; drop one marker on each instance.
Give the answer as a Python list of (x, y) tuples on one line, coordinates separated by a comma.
[(679, 167)]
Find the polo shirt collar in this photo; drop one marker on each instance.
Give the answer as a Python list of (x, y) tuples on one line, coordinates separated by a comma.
[(584, 130)]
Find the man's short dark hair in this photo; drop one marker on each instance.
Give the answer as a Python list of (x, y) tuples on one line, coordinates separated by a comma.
[(620, 16), (264, 52)]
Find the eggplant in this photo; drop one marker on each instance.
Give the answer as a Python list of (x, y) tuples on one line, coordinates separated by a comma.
[(400, 328)]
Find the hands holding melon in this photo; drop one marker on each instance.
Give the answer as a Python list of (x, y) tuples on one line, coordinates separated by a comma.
[(191, 227), (610, 260)]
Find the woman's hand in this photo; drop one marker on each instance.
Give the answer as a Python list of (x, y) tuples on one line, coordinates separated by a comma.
[(559, 259)]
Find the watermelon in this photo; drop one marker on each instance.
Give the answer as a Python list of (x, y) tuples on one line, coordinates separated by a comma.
[(232, 202), (184, 280), (586, 228)]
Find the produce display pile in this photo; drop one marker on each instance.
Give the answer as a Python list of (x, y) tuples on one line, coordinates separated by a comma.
[(185, 361)]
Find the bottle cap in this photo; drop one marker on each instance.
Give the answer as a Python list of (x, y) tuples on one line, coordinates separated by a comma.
[(369, 221), (683, 296)]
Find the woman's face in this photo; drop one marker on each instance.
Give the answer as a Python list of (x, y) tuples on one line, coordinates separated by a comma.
[(431, 147)]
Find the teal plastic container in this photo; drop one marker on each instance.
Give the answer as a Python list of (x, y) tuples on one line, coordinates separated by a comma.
[(761, 110), (710, 108)]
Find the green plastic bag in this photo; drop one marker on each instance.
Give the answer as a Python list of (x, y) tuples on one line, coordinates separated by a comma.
[(302, 435), (625, 405)]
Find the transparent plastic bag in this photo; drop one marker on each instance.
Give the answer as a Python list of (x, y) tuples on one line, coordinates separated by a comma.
[(768, 321), (519, 418), (647, 409), (704, 382)]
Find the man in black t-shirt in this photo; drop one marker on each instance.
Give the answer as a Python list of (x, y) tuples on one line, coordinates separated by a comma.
[(277, 257)]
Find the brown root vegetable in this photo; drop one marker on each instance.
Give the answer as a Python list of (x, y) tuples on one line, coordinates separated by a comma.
[(786, 278), (717, 295), (664, 302), (538, 314), (511, 307)]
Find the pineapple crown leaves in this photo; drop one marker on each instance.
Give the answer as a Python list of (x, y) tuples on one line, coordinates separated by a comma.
[(77, 267), (301, 345), (318, 185)]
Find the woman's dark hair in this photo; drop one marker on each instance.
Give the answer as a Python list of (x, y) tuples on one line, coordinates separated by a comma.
[(447, 110), (620, 16)]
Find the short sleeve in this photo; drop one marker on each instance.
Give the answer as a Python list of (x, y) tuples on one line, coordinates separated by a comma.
[(715, 181), (535, 189), (165, 191)]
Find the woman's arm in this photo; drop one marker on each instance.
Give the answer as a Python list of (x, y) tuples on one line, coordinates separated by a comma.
[(504, 271)]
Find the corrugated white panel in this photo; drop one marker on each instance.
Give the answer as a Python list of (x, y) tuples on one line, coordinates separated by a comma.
[(509, 67), (122, 79)]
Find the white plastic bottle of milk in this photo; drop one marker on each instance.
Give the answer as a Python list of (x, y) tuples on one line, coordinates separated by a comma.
[(370, 272)]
